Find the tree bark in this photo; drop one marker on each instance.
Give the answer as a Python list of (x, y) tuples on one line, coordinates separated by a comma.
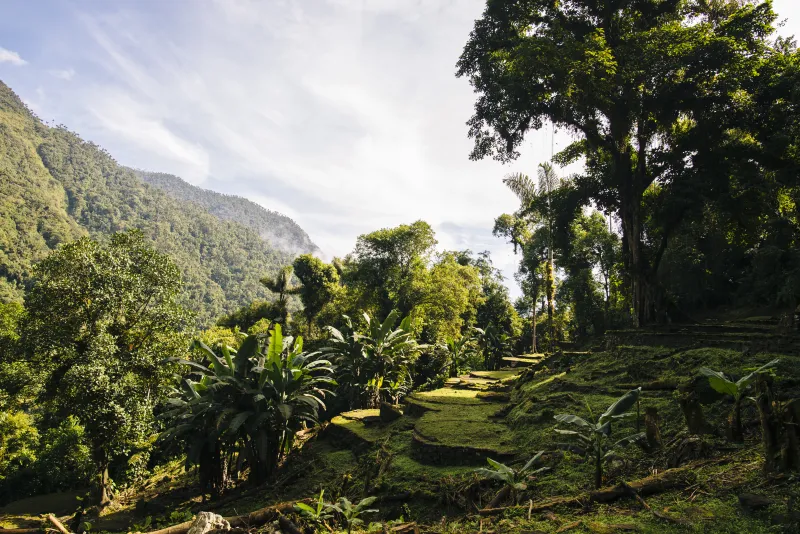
[(550, 290), (735, 431), (790, 447), (770, 427), (101, 492)]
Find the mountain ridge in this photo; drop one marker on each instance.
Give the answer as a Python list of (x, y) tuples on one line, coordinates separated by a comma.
[(280, 230), (56, 187)]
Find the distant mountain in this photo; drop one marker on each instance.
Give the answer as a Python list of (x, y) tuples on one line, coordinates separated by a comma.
[(281, 231), (55, 187)]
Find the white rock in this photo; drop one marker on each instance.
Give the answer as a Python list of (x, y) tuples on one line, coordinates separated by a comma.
[(207, 521)]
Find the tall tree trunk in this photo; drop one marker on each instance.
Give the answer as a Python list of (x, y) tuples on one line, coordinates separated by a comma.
[(102, 490), (533, 328), (550, 290)]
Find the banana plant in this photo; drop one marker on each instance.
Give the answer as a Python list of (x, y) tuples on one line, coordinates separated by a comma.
[(350, 513), (495, 345), (251, 401), (722, 384), (317, 515), (366, 359), (514, 480), (594, 435), (458, 351)]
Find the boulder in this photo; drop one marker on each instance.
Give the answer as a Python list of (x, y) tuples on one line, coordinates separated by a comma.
[(206, 522)]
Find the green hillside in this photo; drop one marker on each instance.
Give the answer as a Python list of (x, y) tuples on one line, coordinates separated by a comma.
[(58, 187), (281, 231)]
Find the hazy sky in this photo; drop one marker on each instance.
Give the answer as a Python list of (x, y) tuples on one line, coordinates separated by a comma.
[(343, 114)]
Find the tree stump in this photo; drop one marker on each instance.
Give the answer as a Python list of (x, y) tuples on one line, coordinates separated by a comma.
[(770, 425), (652, 423), (790, 447), (693, 412)]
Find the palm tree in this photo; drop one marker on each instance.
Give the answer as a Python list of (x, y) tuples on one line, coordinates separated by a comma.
[(281, 285), (536, 207)]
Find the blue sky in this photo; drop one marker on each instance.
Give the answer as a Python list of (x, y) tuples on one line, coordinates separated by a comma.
[(343, 114)]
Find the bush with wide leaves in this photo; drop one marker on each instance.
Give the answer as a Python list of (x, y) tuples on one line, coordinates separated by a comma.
[(377, 356), (244, 407)]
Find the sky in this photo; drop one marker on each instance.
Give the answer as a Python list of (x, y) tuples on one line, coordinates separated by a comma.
[(345, 115)]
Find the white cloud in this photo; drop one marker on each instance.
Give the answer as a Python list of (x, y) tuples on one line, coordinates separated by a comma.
[(63, 74), (343, 114), (8, 56)]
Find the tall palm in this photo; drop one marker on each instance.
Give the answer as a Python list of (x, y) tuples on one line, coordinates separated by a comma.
[(281, 285), (536, 206)]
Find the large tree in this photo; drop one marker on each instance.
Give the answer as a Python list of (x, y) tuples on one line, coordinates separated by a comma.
[(320, 284), (624, 75), (101, 319), (386, 263)]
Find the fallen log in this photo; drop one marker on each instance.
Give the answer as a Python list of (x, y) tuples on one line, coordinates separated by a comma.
[(287, 526), (56, 523), (666, 480), (253, 519)]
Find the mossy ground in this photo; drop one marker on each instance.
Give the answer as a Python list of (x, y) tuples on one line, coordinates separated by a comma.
[(385, 459)]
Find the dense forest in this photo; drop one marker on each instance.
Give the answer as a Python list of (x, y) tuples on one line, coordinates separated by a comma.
[(57, 187), (158, 360), (282, 232)]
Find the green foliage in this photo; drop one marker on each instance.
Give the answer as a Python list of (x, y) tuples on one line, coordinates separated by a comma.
[(58, 188), (64, 458), (513, 479), (494, 344), (736, 389), (317, 515), (594, 435), (320, 284), (250, 401), (18, 442), (351, 514), (385, 265), (367, 359), (247, 316), (279, 230), (581, 66), (459, 352), (281, 285), (101, 318)]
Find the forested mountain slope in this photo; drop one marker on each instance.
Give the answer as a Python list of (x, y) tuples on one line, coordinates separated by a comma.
[(281, 231), (57, 187)]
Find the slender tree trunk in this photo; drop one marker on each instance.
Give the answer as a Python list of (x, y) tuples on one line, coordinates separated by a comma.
[(533, 328), (607, 303), (735, 432), (598, 467), (770, 425), (550, 289)]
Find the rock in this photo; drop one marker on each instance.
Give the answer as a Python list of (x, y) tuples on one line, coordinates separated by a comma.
[(205, 522), (753, 501), (390, 413)]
